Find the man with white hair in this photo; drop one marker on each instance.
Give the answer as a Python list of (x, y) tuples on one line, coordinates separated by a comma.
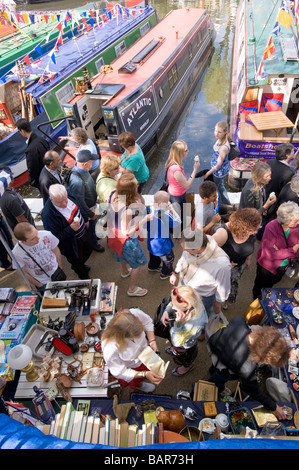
[(61, 216)]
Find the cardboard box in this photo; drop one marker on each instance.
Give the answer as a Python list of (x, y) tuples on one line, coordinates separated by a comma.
[(63, 311)]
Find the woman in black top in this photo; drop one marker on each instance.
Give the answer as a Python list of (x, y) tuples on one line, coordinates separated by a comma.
[(237, 239)]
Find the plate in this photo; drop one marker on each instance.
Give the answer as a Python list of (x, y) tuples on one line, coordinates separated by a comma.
[(207, 425), (295, 312), (296, 295)]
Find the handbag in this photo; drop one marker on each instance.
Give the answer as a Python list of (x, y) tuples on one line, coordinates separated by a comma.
[(234, 151), (159, 329), (165, 184), (116, 240), (58, 275)]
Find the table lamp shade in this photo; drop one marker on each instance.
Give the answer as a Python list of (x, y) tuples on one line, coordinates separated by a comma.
[(19, 357)]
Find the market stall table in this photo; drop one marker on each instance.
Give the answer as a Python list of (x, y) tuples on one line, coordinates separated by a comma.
[(282, 310)]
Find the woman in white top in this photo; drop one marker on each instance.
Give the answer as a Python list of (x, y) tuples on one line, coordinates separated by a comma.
[(128, 333)]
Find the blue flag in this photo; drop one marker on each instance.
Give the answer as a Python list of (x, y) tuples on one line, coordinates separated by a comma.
[(38, 49), (53, 58)]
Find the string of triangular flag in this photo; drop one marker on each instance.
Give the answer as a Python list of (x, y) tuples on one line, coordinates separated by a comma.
[(284, 18)]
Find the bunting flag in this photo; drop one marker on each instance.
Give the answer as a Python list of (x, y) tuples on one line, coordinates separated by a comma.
[(27, 60), (59, 27), (109, 6), (261, 71), (38, 49), (276, 29), (59, 40), (284, 17), (53, 58), (270, 49)]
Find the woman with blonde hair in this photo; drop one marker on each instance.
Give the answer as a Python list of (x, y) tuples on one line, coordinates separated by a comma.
[(237, 239), (178, 183), (220, 165), (106, 181), (127, 334), (189, 318), (124, 205)]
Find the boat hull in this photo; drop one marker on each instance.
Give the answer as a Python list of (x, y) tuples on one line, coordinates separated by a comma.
[(48, 96), (149, 111)]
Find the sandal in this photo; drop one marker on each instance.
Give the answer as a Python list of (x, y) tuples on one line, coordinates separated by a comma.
[(177, 374), (126, 275), (168, 349), (138, 292)]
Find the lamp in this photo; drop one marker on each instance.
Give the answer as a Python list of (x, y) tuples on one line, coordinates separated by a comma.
[(20, 358)]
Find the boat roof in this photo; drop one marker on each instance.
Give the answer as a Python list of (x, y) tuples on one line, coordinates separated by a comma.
[(170, 32), (73, 52), (261, 18)]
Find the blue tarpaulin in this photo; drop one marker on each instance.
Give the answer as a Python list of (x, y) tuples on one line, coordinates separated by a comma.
[(15, 435)]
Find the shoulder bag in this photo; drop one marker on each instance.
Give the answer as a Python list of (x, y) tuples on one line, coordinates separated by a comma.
[(58, 275)]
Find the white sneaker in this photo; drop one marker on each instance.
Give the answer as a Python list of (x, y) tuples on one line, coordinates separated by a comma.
[(146, 387)]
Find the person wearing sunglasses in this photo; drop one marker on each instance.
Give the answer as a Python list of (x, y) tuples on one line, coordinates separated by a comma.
[(190, 318), (204, 266)]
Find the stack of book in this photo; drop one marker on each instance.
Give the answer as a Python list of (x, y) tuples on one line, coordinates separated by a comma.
[(78, 426)]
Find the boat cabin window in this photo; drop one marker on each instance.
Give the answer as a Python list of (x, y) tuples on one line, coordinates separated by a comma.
[(107, 89), (65, 93), (99, 63), (144, 28), (120, 48), (173, 76)]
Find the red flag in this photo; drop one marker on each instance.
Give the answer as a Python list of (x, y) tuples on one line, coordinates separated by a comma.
[(60, 40), (91, 13), (109, 6), (84, 21), (270, 49), (27, 60), (46, 18), (59, 27)]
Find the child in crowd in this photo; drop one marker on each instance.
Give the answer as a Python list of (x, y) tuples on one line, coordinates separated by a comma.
[(159, 242), (206, 217)]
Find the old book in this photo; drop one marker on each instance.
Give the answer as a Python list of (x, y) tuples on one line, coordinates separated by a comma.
[(95, 431), (46, 429), (132, 433), (139, 437), (107, 431), (210, 409), (117, 433), (70, 426), (83, 428), (62, 411), (111, 441), (77, 426), (88, 430), (83, 405), (69, 407), (102, 435), (124, 434), (57, 418)]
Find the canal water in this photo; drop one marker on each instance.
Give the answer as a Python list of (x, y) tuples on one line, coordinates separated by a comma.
[(210, 100)]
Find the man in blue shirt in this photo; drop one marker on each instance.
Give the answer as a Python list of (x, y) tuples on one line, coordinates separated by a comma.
[(83, 189)]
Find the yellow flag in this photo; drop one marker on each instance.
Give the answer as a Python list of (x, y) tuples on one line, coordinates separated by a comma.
[(284, 18)]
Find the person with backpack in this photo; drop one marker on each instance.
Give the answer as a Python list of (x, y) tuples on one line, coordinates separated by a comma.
[(159, 241), (83, 190)]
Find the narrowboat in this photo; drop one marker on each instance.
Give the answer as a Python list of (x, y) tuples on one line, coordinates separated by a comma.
[(265, 80), (32, 33), (144, 90), (52, 80)]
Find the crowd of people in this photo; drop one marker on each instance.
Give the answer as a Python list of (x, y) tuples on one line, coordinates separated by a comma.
[(214, 251)]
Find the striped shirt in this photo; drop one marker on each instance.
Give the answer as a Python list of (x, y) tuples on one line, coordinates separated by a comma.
[(70, 212)]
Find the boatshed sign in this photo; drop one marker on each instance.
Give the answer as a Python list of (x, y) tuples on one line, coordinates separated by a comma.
[(140, 114)]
